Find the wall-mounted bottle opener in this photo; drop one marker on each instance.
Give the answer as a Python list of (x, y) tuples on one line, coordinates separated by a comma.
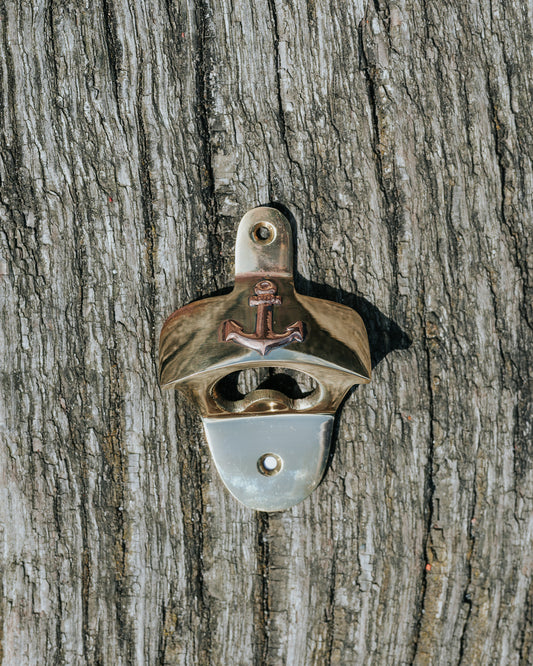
[(269, 449)]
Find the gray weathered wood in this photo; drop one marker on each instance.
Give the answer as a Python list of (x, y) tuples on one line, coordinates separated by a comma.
[(400, 137)]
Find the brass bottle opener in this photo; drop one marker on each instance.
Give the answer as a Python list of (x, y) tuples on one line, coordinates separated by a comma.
[(270, 450)]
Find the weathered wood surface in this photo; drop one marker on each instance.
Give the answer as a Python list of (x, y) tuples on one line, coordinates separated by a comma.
[(134, 136)]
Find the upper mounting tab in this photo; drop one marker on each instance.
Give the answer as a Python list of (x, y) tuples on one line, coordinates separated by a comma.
[(264, 244)]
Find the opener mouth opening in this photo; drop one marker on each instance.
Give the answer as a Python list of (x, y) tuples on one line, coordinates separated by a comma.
[(267, 390)]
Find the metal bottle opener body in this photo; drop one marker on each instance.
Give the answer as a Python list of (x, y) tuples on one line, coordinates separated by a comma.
[(269, 449)]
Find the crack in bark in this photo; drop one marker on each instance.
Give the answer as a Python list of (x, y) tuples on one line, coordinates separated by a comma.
[(207, 176), (16, 191), (60, 654), (462, 640), (502, 152), (76, 431), (2, 620), (467, 597), (262, 594), (429, 492), (330, 610), (118, 463), (526, 634), (194, 517), (113, 46), (281, 111), (389, 194), (53, 58), (371, 95), (522, 455), (145, 181)]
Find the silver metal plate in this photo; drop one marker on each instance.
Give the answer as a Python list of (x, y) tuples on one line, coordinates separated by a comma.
[(300, 444)]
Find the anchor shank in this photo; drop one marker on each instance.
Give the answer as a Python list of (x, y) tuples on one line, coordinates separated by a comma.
[(263, 321)]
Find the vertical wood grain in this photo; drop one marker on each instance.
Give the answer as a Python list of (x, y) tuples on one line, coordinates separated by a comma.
[(398, 135)]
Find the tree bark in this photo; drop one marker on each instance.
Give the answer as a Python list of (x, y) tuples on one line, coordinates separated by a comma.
[(399, 136)]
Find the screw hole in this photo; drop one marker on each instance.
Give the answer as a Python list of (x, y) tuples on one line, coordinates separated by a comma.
[(269, 464), (263, 233)]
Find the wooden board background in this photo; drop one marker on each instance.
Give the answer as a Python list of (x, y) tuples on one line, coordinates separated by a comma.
[(399, 137)]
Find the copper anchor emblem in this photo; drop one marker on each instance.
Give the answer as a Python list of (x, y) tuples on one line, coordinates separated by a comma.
[(263, 339)]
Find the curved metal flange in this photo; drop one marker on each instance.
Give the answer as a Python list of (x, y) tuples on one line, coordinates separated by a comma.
[(264, 322), (299, 444)]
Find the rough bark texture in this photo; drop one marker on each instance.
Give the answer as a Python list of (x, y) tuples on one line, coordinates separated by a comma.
[(134, 135)]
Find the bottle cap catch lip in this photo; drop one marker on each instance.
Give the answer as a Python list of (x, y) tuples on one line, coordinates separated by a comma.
[(298, 444)]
